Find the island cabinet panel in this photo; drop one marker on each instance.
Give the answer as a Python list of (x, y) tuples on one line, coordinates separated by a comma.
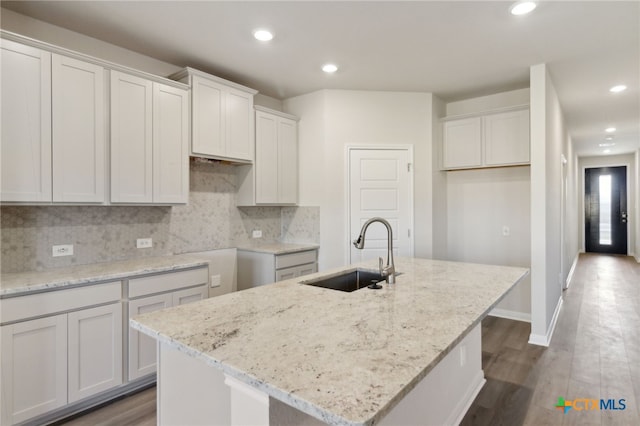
[(490, 140), (34, 368), (152, 293), (222, 122), (78, 115), (95, 350), (25, 148)]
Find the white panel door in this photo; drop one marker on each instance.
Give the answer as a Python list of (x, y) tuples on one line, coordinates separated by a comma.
[(170, 144), (287, 161), (34, 368), (95, 350), (142, 348), (266, 164), (78, 130), (131, 139), (380, 186), (26, 123), (207, 121)]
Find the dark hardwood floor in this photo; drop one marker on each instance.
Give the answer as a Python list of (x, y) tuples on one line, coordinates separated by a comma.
[(594, 353)]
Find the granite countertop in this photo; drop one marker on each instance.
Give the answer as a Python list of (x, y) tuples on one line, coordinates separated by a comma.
[(19, 283), (344, 358), (275, 247)]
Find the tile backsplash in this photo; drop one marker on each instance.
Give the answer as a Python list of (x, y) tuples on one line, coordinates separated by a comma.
[(107, 233)]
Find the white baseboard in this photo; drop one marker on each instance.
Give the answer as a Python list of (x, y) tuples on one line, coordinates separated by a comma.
[(468, 398), (571, 271), (512, 315), (544, 340)]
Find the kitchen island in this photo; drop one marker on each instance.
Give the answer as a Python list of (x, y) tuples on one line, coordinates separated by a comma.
[(290, 353)]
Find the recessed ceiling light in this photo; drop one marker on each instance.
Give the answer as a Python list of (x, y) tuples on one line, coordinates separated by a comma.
[(606, 151), (602, 145), (329, 68), (610, 129), (619, 88), (263, 35), (609, 138), (522, 7)]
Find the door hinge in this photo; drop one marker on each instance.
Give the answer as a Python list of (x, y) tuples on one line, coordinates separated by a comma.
[(409, 233), (408, 167)]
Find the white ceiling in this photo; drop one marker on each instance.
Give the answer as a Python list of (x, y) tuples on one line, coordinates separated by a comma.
[(454, 49)]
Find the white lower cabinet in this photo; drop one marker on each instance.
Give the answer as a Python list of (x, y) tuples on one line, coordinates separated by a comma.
[(259, 268), (50, 362), (179, 288), (142, 348), (34, 368), (95, 350)]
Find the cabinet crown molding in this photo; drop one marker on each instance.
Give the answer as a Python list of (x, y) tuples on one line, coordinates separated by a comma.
[(276, 112), (188, 71), (485, 112), (8, 35)]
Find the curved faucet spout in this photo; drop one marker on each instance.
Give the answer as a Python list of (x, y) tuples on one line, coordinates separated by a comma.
[(388, 271)]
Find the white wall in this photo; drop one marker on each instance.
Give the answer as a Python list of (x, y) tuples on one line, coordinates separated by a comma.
[(548, 136), (572, 210), (331, 120), (439, 184), (637, 251), (628, 160)]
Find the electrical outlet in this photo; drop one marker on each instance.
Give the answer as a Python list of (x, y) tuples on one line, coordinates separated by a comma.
[(506, 231), (257, 233), (144, 243), (62, 250), (215, 281)]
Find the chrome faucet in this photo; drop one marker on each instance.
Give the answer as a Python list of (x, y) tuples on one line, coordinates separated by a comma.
[(389, 271)]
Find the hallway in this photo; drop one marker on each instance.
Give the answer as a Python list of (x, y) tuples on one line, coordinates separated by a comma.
[(594, 353)]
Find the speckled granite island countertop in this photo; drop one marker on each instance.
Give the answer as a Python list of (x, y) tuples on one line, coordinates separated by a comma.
[(19, 283), (276, 247), (344, 358)]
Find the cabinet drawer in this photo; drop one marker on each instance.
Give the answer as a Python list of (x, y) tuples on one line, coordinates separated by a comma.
[(167, 282), (41, 304), (293, 259)]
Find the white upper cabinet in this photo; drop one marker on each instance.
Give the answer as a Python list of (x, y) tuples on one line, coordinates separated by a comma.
[(490, 140), (149, 141), (78, 111), (170, 144), (25, 149), (221, 117), (273, 179), (131, 139), (506, 137), (462, 143)]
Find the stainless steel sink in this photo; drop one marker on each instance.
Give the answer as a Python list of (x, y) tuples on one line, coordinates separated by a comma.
[(349, 281)]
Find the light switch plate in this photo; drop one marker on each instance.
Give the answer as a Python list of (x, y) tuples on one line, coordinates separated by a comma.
[(144, 243), (257, 233), (62, 250)]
